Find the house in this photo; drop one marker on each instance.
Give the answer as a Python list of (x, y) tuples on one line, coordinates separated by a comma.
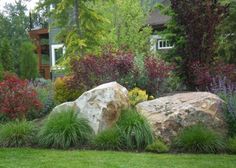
[(158, 21), (40, 38), (50, 51)]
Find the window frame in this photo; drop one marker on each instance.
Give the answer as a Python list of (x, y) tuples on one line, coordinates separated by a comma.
[(53, 48), (156, 43), (163, 44)]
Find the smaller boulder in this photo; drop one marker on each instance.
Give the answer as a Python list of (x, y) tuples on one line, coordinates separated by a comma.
[(168, 115), (101, 105)]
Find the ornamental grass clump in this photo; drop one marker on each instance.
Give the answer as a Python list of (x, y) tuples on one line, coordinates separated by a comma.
[(232, 145), (135, 130), (17, 134), (65, 129), (199, 139), (109, 139)]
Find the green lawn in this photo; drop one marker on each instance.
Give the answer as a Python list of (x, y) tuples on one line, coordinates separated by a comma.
[(33, 158)]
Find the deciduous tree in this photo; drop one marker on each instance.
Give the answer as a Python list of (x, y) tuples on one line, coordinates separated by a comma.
[(193, 31)]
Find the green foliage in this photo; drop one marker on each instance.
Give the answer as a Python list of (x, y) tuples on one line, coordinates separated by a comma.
[(173, 84), (45, 93), (199, 139), (6, 56), (230, 112), (109, 139), (4, 118), (232, 145), (1, 71), (28, 61), (137, 95), (135, 129), (15, 24), (81, 29), (45, 96), (126, 28), (63, 93), (65, 129), (227, 92), (157, 147), (226, 36), (17, 134)]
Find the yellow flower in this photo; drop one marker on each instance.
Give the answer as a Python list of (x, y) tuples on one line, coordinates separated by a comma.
[(137, 95)]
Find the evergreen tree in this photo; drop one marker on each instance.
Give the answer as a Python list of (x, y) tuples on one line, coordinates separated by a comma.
[(17, 29), (1, 71), (28, 61), (6, 56)]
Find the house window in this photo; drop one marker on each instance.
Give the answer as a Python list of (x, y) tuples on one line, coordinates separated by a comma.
[(158, 43), (163, 44), (52, 6), (58, 51)]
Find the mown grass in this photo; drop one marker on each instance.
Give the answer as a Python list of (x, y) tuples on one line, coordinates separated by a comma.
[(40, 158)]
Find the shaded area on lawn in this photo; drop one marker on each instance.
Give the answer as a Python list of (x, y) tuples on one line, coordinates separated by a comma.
[(28, 158)]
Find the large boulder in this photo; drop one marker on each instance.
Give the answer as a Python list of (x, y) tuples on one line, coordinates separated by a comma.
[(168, 115), (101, 105)]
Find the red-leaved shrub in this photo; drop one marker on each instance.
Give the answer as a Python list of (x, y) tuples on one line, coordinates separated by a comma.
[(203, 74), (16, 97), (157, 72), (91, 70)]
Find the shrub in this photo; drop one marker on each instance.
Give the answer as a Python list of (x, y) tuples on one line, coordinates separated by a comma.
[(204, 75), (120, 66), (17, 98), (157, 71), (157, 147), (91, 70), (137, 95), (230, 113), (199, 139), (45, 94), (136, 131), (4, 118), (109, 139), (226, 90), (17, 134), (27, 54), (232, 145), (63, 93), (201, 75), (65, 129)]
